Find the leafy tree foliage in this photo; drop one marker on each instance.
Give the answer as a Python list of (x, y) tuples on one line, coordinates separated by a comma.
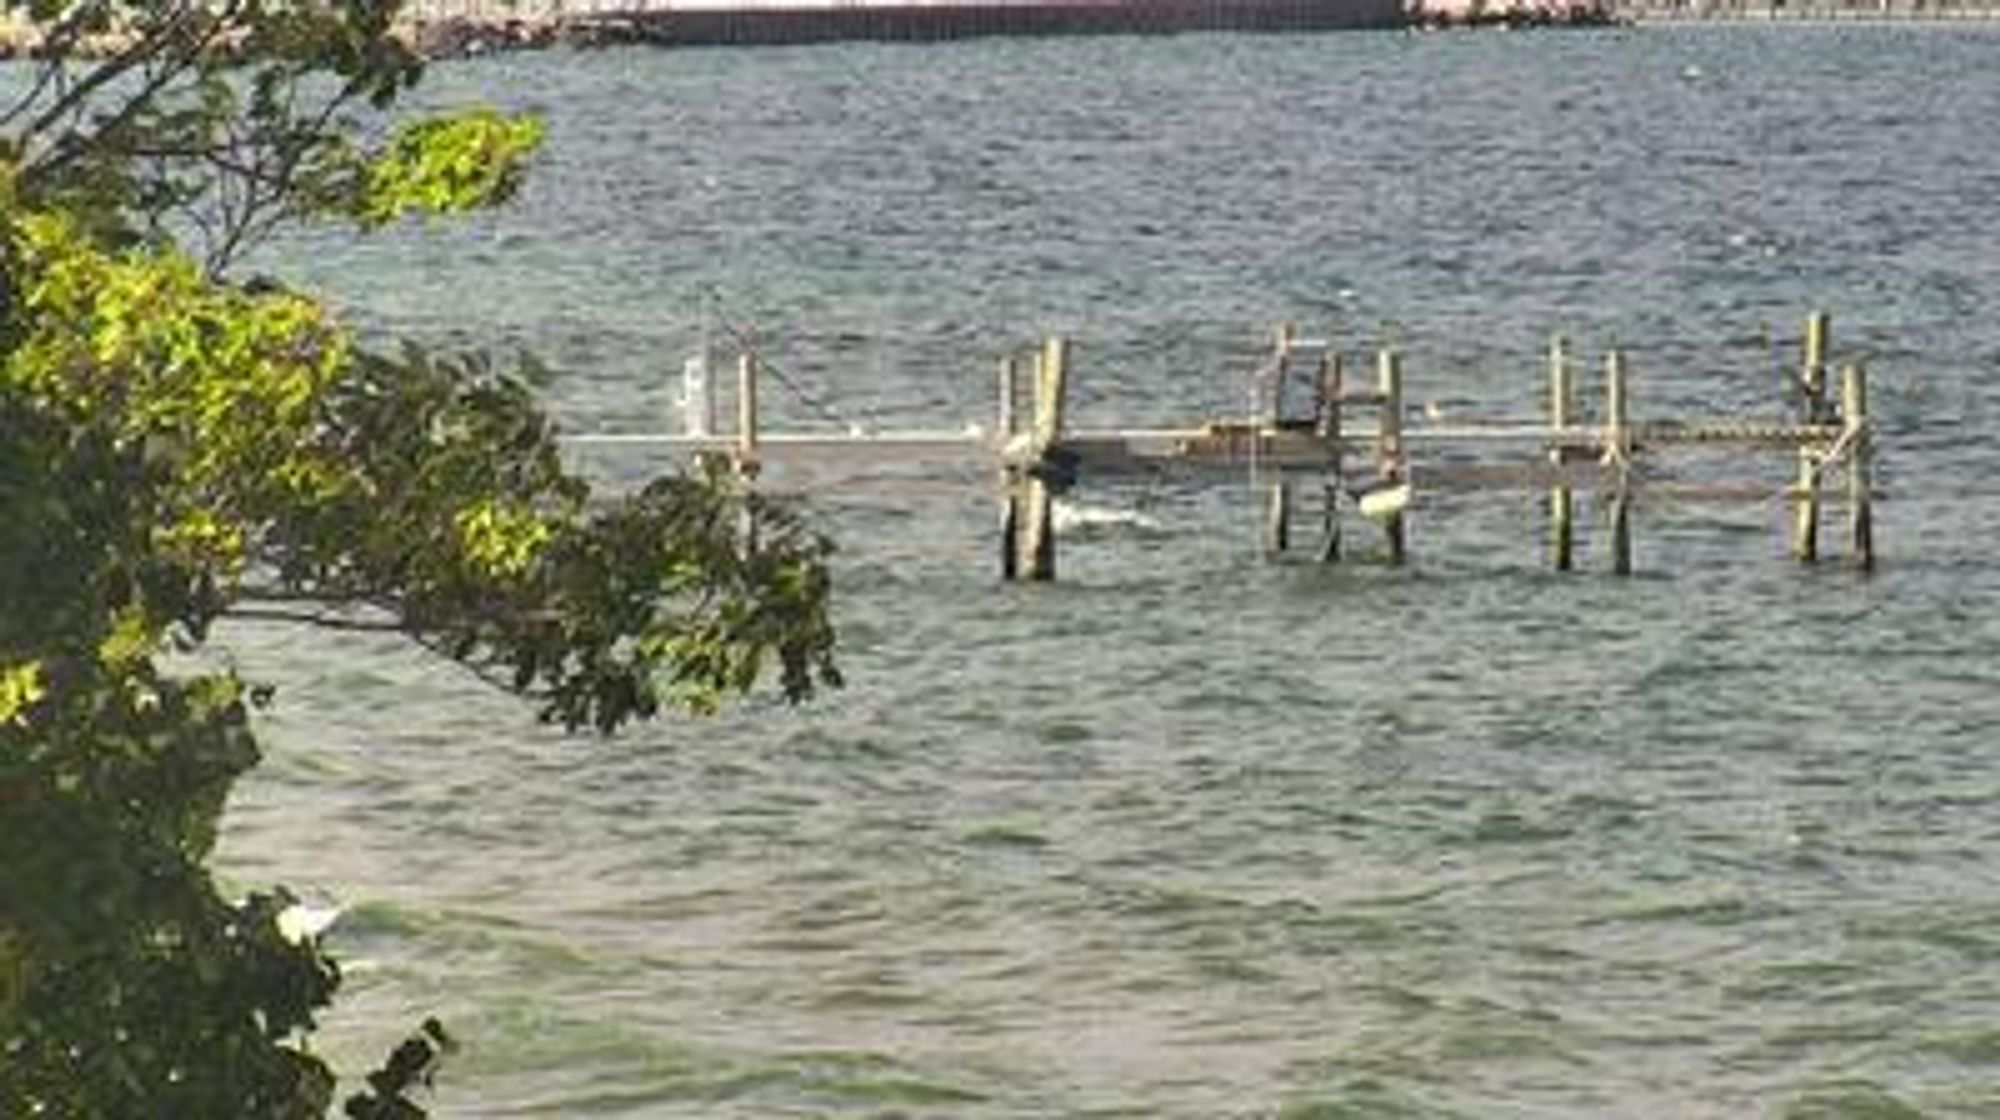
[(220, 120), (176, 448)]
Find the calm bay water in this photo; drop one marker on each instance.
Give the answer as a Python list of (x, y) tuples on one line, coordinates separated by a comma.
[(1189, 835)]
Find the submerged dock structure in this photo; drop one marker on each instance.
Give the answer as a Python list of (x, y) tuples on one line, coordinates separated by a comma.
[(1324, 438)]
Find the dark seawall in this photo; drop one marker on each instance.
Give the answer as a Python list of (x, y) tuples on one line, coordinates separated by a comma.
[(774, 24)]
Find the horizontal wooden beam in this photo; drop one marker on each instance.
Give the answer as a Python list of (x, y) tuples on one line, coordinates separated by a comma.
[(1225, 444), (796, 447)]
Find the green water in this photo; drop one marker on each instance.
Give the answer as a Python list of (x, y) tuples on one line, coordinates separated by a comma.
[(1190, 835)]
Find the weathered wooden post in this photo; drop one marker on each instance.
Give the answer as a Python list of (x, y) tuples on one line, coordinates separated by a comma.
[(746, 414), (1038, 537), (1618, 450), (1389, 451), (1281, 367), (1006, 423), (1327, 426), (1805, 514), (1278, 517), (1812, 409), (1812, 368), (1011, 496), (1270, 412), (1858, 437), (698, 394), (1562, 502), (744, 459)]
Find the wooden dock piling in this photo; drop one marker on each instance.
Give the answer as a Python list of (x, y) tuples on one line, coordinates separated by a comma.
[(1012, 479), (1618, 448), (698, 394), (1812, 410), (1278, 518), (744, 461), (1333, 479), (1267, 413), (1858, 439), (746, 414), (1045, 469), (1391, 473), (1271, 403), (1812, 368), (1562, 501), (1007, 422)]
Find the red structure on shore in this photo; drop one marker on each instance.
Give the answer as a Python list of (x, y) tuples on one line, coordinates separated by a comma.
[(716, 22)]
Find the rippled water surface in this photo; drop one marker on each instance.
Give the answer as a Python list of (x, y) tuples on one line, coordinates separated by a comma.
[(1187, 834)]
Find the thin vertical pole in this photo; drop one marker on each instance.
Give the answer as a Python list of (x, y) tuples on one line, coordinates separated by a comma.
[(1812, 370), (1389, 445), (698, 394), (1805, 515), (1812, 390), (746, 444), (1010, 473), (746, 412), (1860, 466), (1004, 424), (1618, 418), (1562, 503), (1277, 535), (1051, 391), (1036, 527), (1281, 365), (1330, 389), (1278, 518), (1051, 384), (1010, 528)]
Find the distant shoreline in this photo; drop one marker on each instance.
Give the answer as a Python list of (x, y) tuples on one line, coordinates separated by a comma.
[(439, 29), (1764, 11)]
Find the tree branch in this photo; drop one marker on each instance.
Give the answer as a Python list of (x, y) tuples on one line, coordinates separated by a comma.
[(59, 40), (149, 49), (110, 70)]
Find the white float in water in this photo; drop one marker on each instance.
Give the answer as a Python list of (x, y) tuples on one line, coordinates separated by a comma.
[(1073, 518), (1386, 502)]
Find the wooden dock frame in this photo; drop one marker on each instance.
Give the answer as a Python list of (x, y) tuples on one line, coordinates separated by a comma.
[(1324, 368), (1566, 454), (1604, 456), (1034, 467), (1383, 492), (1824, 437)]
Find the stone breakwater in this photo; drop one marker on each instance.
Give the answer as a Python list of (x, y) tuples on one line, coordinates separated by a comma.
[(458, 36)]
